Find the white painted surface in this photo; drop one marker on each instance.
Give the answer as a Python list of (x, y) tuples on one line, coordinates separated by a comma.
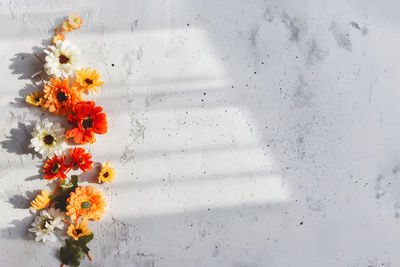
[(244, 133)]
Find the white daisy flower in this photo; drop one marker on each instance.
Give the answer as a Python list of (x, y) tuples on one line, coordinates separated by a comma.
[(45, 224), (61, 59), (48, 138)]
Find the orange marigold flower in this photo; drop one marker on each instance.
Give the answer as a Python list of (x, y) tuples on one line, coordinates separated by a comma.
[(107, 174), (58, 37), (74, 21), (41, 201), (55, 168), (88, 80), (81, 159), (78, 230), (86, 202), (88, 120), (59, 97)]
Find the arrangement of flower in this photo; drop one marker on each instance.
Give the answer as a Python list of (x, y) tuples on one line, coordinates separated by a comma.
[(70, 206)]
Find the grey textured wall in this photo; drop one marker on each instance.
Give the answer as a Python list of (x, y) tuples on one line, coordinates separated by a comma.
[(244, 133)]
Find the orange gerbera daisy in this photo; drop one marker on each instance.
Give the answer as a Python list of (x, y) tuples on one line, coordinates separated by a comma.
[(87, 120), (55, 168), (78, 230), (88, 80), (81, 159), (86, 202), (59, 97)]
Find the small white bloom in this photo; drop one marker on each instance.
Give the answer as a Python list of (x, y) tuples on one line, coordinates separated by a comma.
[(61, 59), (48, 138), (45, 224)]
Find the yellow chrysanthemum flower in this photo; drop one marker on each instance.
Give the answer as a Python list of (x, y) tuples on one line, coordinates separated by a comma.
[(107, 174), (88, 80), (77, 230), (58, 37), (36, 99), (41, 201)]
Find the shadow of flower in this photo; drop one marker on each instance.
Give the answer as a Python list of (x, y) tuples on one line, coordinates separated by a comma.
[(91, 176), (26, 64), (19, 229), (18, 140), (23, 202)]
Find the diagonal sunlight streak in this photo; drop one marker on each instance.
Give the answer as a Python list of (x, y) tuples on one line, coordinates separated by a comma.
[(170, 197), (197, 168), (175, 154), (179, 59), (182, 156)]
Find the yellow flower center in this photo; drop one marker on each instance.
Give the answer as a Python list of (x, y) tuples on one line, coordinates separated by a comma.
[(55, 168), (43, 223), (80, 161), (105, 175)]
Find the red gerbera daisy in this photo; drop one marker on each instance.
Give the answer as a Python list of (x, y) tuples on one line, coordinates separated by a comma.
[(88, 120), (55, 168), (80, 158)]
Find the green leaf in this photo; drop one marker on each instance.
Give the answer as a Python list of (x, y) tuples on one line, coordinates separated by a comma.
[(61, 200), (74, 180), (75, 262), (66, 188), (65, 185), (83, 240), (75, 250), (71, 253)]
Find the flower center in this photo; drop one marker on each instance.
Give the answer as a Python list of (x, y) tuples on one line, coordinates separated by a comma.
[(48, 139), (63, 59), (105, 175), (87, 123), (88, 81), (78, 232), (43, 223), (85, 205), (55, 168), (37, 99), (62, 97)]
